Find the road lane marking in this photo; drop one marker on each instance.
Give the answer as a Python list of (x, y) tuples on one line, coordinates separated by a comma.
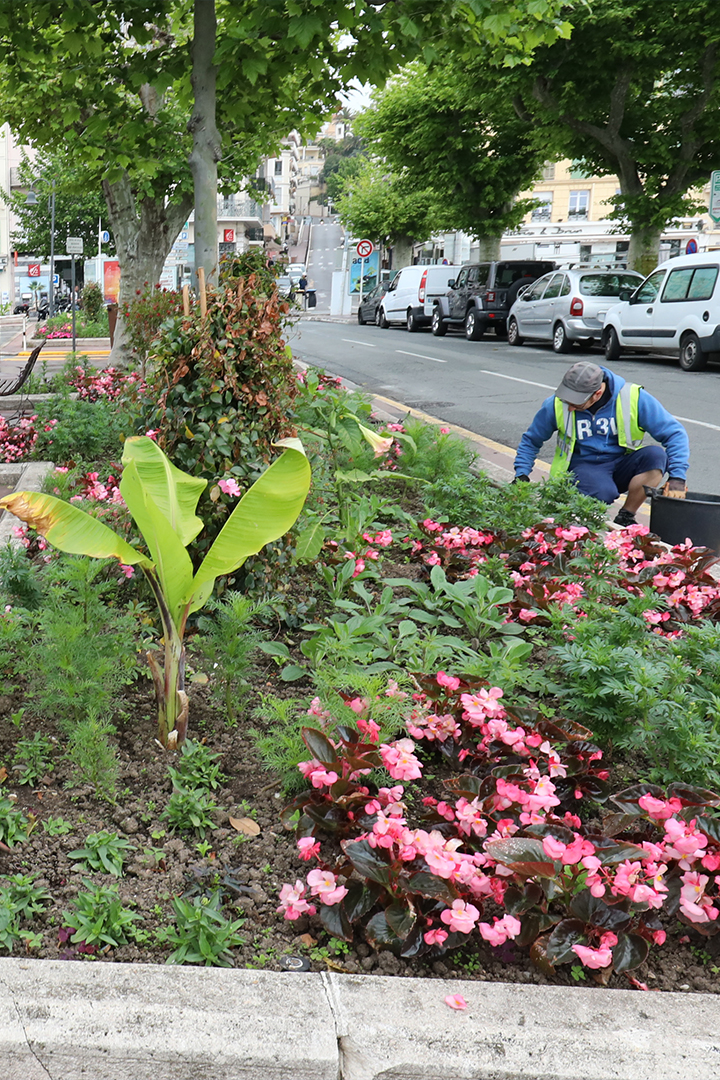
[(700, 423), (365, 343), (421, 356), (512, 378)]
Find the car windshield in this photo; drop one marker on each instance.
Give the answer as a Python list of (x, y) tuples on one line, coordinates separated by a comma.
[(284, 283), (506, 273), (607, 284)]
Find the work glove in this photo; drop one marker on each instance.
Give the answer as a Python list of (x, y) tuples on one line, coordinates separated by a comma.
[(675, 488), (522, 479)]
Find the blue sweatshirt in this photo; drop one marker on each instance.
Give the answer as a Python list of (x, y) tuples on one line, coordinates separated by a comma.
[(596, 438)]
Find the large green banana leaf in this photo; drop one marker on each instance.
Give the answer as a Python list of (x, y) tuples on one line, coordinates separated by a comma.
[(69, 528), (172, 562), (174, 493), (265, 513)]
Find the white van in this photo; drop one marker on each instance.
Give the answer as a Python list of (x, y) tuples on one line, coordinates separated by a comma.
[(676, 309), (411, 296)]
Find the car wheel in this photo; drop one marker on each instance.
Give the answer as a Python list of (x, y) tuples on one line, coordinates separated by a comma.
[(691, 356), (361, 319), (380, 319), (474, 329), (560, 342), (439, 328), (513, 333), (411, 322), (611, 345)]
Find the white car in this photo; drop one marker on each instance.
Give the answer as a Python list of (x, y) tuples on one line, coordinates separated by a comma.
[(567, 306), (676, 309), (295, 271), (412, 294)]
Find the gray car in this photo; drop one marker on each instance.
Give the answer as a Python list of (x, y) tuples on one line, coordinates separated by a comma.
[(568, 306)]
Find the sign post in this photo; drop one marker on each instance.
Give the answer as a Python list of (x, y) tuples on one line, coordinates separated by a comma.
[(364, 249), (74, 246), (714, 207)]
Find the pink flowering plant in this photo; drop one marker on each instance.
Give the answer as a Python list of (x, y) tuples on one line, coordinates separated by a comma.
[(506, 855)]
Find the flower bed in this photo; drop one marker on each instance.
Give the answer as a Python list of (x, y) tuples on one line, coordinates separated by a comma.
[(442, 733)]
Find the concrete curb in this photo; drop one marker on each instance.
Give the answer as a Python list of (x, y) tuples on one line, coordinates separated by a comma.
[(26, 476), (96, 1021)]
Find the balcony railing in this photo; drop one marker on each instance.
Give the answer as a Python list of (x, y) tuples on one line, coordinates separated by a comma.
[(240, 207)]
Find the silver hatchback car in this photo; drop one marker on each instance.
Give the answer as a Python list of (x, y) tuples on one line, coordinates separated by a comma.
[(567, 306)]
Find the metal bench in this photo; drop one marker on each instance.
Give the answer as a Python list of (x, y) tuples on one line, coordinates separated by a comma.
[(8, 387)]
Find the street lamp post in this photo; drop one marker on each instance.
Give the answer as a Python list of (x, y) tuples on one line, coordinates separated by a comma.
[(32, 200)]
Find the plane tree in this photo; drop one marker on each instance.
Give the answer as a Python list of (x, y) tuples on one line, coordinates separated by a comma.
[(635, 92), (444, 131), (153, 113)]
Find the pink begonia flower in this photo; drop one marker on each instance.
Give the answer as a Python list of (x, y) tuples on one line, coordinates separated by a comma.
[(399, 760), (61, 468), (507, 927), (483, 704), (461, 916), (128, 571), (230, 487), (553, 848), (322, 778), (393, 690), (593, 958), (359, 705), (293, 903), (456, 1001), (324, 885), (526, 615), (369, 728), (435, 937), (308, 847), (694, 904), (449, 681), (152, 433)]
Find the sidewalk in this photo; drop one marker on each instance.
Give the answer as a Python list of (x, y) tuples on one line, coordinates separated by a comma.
[(69, 1020)]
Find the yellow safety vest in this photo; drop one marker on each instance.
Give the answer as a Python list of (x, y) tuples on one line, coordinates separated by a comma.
[(626, 405)]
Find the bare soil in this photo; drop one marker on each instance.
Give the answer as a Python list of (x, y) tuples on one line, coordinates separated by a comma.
[(249, 868)]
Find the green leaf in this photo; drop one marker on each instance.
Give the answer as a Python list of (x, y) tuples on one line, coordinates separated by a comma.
[(309, 542), (567, 933), (630, 951), (366, 861), (265, 513), (360, 899), (292, 672), (594, 911), (430, 886), (379, 934), (70, 529), (174, 493), (524, 856), (336, 921), (400, 918), (319, 746)]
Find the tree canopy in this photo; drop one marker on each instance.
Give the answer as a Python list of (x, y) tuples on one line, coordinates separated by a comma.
[(635, 91), (445, 131)]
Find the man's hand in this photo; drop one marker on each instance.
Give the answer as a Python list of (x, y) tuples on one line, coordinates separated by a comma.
[(522, 479), (675, 488)]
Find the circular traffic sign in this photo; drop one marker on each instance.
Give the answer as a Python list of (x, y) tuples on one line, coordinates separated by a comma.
[(691, 247), (365, 248)]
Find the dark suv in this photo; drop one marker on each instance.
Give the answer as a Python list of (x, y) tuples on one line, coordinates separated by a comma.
[(482, 295)]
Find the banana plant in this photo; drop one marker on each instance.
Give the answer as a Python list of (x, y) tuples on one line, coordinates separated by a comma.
[(162, 500)]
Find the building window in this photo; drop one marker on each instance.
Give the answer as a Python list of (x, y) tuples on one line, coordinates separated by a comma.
[(579, 204), (544, 211), (278, 167), (585, 253), (548, 172), (579, 171)]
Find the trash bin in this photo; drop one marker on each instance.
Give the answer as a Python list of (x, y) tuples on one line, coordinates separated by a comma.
[(112, 310), (311, 298), (696, 516)]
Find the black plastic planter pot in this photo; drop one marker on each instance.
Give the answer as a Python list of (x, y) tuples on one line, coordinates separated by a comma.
[(697, 516)]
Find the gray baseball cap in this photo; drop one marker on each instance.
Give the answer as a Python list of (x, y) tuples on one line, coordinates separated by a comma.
[(580, 382)]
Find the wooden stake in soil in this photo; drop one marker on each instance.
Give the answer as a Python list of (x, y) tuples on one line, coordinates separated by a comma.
[(186, 300), (201, 290)]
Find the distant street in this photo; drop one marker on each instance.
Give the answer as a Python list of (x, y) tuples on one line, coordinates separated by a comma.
[(324, 256), (494, 389)]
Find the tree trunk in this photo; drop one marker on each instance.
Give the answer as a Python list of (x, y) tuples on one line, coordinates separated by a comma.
[(402, 252), (644, 249), (486, 249), (144, 233), (207, 144)]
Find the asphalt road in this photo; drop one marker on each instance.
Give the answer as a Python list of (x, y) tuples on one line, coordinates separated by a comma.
[(494, 389)]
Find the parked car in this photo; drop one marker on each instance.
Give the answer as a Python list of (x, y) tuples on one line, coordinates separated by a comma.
[(286, 286), (482, 294), (411, 296), (676, 308), (295, 271), (568, 306), (367, 311)]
